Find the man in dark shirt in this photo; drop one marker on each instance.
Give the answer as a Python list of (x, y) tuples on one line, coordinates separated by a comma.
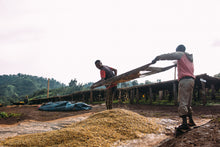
[(107, 72)]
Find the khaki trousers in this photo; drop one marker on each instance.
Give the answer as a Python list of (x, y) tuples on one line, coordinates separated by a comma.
[(185, 94)]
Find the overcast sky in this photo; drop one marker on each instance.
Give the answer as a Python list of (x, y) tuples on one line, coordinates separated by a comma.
[(61, 39)]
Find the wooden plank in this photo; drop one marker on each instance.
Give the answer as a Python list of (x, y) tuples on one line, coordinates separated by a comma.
[(133, 74)]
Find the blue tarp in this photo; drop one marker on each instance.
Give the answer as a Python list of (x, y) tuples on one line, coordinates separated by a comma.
[(64, 106)]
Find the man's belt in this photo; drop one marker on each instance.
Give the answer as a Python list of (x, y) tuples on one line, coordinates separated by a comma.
[(186, 77)]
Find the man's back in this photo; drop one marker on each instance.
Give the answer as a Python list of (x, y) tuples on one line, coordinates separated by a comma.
[(185, 66)]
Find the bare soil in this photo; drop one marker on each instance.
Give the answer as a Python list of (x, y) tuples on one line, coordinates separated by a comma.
[(208, 134)]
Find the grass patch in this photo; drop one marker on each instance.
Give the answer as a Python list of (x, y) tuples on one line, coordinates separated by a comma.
[(7, 115), (210, 103), (99, 102), (163, 102)]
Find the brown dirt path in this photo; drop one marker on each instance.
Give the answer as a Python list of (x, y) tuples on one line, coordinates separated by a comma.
[(32, 120)]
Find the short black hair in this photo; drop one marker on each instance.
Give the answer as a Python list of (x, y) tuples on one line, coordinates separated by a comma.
[(181, 48), (97, 61)]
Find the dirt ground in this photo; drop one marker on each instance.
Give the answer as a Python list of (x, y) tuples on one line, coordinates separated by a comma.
[(206, 135)]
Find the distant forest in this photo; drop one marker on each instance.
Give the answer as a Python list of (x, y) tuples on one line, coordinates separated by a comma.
[(15, 88)]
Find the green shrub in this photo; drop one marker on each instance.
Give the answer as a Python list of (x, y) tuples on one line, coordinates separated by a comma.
[(7, 115)]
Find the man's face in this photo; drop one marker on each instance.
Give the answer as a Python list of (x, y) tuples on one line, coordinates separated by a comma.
[(98, 65)]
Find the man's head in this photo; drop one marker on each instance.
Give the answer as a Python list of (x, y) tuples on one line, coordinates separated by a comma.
[(180, 48), (98, 64)]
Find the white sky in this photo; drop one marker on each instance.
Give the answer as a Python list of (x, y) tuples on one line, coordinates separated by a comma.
[(61, 39)]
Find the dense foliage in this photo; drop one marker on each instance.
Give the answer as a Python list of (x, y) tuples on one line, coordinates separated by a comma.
[(15, 87), (74, 86), (64, 90)]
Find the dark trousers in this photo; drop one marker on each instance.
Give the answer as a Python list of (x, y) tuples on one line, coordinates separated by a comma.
[(110, 93)]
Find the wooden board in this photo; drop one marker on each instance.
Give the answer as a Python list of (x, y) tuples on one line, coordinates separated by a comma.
[(133, 74)]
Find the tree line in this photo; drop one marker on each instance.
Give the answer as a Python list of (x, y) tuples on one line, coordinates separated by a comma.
[(14, 88), (74, 86)]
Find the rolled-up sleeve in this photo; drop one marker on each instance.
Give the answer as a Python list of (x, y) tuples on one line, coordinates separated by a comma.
[(171, 56)]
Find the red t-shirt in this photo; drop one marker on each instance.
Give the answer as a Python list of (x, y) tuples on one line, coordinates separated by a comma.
[(103, 76), (185, 68)]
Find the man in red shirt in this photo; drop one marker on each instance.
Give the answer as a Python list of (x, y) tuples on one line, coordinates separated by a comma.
[(186, 80), (107, 72)]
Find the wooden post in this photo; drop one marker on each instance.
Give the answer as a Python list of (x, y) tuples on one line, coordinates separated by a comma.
[(119, 97), (199, 94), (204, 101), (137, 96), (213, 91), (146, 96), (91, 97), (83, 98), (48, 87), (175, 93), (151, 95), (72, 98), (127, 95), (132, 96), (160, 94)]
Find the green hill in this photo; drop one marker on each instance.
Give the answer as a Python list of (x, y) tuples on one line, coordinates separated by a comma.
[(13, 87)]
